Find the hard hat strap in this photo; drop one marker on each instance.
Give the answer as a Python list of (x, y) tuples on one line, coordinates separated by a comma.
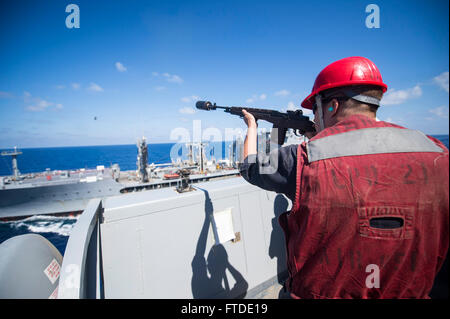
[(358, 97), (319, 112), (362, 98)]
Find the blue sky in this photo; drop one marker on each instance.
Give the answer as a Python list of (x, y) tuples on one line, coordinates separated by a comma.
[(139, 66)]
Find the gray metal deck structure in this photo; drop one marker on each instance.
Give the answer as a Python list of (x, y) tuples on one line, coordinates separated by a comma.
[(165, 244)]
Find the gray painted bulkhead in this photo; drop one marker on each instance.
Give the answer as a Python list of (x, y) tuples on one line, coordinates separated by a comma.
[(161, 244)]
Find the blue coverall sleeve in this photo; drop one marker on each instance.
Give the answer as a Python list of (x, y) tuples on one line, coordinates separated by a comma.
[(278, 174)]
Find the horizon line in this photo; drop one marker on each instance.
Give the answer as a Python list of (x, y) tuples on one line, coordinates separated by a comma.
[(97, 145)]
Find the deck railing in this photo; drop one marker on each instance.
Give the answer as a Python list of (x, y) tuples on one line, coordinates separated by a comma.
[(81, 268)]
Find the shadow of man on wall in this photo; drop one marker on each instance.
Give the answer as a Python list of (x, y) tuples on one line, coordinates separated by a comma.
[(277, 248), (209, 278)]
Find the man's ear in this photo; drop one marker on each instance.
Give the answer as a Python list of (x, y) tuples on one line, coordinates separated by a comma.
[(334, 107)]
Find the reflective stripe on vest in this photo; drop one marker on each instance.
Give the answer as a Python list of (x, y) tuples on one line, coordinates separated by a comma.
[(367, 141)]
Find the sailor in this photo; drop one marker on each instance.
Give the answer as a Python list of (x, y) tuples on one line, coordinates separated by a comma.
[(370, 198)]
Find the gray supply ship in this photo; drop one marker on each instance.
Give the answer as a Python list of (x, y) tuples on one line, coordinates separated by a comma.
[(62, 192), (66, 192)]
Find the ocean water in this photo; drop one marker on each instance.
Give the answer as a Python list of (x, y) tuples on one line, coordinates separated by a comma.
[(57, 229), (64, 158), (442, 138)]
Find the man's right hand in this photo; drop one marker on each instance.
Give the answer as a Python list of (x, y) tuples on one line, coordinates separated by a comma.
[(249, 119), (251, 138)]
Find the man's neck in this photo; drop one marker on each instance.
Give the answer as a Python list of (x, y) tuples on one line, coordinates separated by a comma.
[(349, 113)]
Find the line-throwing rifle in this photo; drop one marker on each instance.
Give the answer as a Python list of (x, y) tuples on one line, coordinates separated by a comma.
[(281, 120)]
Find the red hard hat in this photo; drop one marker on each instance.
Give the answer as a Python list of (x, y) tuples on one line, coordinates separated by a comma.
[(348, 71)]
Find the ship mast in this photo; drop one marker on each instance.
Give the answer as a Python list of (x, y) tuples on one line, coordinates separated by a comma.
[(14, 154), (202, 156), (142, 160), (190, 147)]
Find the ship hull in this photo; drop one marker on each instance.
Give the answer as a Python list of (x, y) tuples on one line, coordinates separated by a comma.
[(53, 198)]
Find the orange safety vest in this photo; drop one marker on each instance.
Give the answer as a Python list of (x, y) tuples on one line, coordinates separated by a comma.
[(349, 176)]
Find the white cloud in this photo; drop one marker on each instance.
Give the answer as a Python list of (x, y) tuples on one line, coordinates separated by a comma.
[(282, 93), (94, 87), (307, 112), (442, 80), (187, 110), (60, 87), (39, 105), (120, 67), (292, 107), (189, 99), (256, 98), (159, 88), (172, 78), (34, 108), (441, 111), (175, 79), (36, 104), (393, 96), (76, 86)]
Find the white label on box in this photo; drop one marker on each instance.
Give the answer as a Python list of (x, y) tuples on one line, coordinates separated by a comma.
[(223, 226)]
